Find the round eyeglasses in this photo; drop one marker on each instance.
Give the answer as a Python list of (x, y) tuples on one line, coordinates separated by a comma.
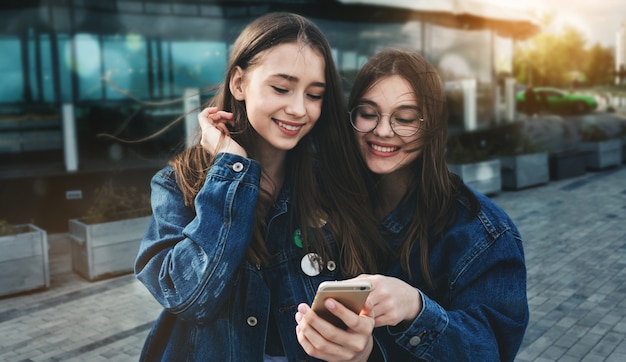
[(404, 122)]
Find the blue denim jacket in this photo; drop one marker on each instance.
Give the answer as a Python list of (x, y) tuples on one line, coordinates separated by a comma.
[(478, 309), (218, 306)]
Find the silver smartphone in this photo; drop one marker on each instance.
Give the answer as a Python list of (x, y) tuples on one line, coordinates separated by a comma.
[(352, 294)]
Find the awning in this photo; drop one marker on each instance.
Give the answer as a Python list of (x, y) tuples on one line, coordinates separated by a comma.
[(506, 18)]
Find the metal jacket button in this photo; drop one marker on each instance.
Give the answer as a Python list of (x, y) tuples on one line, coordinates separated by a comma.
[(238, 167), (331, 266), (252, 321), (415, 340)]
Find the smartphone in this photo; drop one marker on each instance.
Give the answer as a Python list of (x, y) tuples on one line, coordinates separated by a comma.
[(352, 294)]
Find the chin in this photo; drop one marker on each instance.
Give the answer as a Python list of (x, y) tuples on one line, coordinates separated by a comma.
[(379, 169)]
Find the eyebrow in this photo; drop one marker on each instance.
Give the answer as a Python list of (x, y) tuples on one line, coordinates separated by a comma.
[(375, 105), (293, 79)]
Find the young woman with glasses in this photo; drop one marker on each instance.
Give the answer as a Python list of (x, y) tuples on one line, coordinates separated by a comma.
[(456, 288)]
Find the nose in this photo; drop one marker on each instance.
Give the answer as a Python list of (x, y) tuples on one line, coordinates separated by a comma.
[(296, 106), (383, 128)]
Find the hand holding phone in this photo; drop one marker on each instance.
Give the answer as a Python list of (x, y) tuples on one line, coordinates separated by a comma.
[(350, 293)]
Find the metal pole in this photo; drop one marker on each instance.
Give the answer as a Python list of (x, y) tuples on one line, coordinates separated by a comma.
[(70, 142)]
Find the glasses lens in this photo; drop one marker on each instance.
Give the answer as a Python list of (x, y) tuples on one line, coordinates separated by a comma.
[(364, 118), (406, 122)]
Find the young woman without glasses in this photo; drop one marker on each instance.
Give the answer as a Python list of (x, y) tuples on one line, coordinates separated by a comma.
[(247, 223)]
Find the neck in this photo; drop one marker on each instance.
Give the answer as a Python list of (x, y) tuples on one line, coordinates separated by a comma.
[(273, 166), (391, 189)]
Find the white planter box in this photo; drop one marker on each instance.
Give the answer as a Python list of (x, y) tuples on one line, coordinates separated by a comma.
[(567, 164), (106, 249), (24, 261), (484, 176), (602, 154), (521, 171)]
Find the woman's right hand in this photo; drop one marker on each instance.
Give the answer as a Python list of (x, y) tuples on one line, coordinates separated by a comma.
[(321, 339), (215, 137)]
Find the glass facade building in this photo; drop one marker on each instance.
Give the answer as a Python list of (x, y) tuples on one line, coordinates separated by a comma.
[(124, 67)]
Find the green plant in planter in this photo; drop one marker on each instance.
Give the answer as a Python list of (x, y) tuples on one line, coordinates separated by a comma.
[(113, 203), (6, 228), (593, 133), (459, 151), (511, 141)]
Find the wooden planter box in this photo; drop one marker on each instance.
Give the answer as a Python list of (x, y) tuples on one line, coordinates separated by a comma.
[(107, 249), (24, 260), (602, 154), (521, 171), (484, 176), (567, 164)]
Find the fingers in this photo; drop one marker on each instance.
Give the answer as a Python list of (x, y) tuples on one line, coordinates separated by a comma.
[(321, 339), (210, 116), (308, 332), (213, 125), (393, 300)]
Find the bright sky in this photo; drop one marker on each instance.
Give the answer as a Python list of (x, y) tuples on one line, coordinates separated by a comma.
[(598, 20)]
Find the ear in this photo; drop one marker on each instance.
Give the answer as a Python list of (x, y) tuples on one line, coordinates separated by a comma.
[(236, 84)]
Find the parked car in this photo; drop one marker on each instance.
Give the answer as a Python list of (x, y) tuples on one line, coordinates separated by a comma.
[(558, 101)]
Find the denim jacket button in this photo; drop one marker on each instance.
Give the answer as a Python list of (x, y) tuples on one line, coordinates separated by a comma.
[(415, 340), (252, 321), (331, 266), (238, 167)]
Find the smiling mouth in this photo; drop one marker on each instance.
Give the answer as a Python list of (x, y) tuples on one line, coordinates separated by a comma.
[(384, 149), (288, 127)]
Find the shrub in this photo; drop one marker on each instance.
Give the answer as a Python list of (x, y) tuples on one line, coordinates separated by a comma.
[(593, 133), (116, 203)]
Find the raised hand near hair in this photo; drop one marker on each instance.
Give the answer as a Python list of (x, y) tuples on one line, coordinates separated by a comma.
[(321, 339), (215, 137)]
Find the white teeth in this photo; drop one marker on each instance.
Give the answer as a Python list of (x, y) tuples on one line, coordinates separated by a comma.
[(288, 127), (383, 149)]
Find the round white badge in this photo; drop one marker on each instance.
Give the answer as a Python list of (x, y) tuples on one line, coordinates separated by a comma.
[(310, 264)]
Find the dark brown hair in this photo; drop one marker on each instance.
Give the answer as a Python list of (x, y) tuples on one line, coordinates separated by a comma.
[(330, 142), (432, 184)]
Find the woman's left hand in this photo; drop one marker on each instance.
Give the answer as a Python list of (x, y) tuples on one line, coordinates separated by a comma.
[(215, 136), (393, 300), (323, 340)]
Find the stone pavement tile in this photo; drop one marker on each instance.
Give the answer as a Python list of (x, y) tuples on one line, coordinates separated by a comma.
[(59, 254), (76, 318), (575, 244), (607, 344), (553, 353), (571, 336), (593, 358), (620, 326), (568, 358), (616, 357)]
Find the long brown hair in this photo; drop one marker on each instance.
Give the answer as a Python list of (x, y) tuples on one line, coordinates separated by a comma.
[(432, 185), (330, 142)]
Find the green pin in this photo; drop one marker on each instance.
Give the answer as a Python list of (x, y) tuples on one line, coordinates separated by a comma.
[(297, 238)]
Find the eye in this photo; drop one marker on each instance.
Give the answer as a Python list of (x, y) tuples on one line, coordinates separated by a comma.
[(368, 114), (406, 117), (280, 90), (315, 97)]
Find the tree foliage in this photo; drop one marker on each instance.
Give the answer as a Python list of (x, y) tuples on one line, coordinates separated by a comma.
[(560, 57)]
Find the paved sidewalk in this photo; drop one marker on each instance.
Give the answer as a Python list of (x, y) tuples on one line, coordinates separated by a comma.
[(575, 241)]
